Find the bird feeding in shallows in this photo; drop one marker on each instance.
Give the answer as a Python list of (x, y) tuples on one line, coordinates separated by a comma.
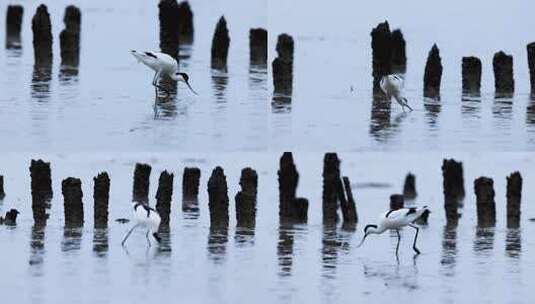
[(392, 86), (145, 217), (394, 220), (162, 64)]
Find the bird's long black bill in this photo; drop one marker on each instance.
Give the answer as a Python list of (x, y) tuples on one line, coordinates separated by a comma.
[(362, 241), (187, 83)]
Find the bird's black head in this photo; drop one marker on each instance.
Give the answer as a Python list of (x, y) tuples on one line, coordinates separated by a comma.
[(368, 227), (184, 76)]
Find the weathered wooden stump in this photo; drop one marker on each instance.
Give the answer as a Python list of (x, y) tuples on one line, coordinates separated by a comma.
[(71, 188), (409, 187), (471, 74), (246, 199), (504, 82), (258, 46), (185, 23), (218, 201), (42, 37), (283, 66), (381, 54), (331, 186), (41, 186), (433, 74), (288, 180), (514, 196), (70, 37), (141, 183), (399, 57), (531, 66), (101, 197), (13, 26), (169, 27), (2, 192), (347, 204), (300, 210), (220, 44), (164, 196), (486, 207), (453, 187), (190, 189), (397, 201)]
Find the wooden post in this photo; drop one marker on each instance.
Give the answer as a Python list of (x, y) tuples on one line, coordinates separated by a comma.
[(169, 27), (409, 187), (13, 26), (396, 201), (453, 187), (41, 186), (42, 36), (2, 193), (504, 82), (71, 189), (381, 54), (331, 179), (486, 207), (531, 66), (141, 183), (190, 189), (399, 57), (101, 196), (258, 46), (220, 45), (514, 197), (246, 199), (218, 200), (164, 196), (471, 74), (283, 67), (349, 209), (433, 74), (70, 38), (185, 23)]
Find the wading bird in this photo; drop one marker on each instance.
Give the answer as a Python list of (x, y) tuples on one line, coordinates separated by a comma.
[(162, 64), (391, 86), (145, 217), (394, 220)]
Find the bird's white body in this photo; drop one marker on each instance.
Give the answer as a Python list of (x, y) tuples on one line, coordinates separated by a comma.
[(392, 86), (162, 64), (145, 217), (395, 220)]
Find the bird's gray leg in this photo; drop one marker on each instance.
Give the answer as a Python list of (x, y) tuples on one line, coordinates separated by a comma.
[(155, 82), (415, 237), (399, 240), (128, 234), (147, 236)]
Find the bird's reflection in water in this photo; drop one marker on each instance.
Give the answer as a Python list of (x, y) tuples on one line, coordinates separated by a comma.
[(219, 85), (513, 243), (394, 275), (484, 241), (40, 86), (449, 249), (37, 245), (72, 238), (100, 242), (432, 111), (471, 105), (285, 249), (217, 243)]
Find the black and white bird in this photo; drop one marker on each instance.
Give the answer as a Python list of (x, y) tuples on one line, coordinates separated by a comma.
[(162, 64), (392, 86), (145, 217), (394, 220)]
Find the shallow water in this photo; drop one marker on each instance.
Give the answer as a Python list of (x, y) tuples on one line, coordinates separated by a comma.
[(109, 104), (333, 55), (306, 263)]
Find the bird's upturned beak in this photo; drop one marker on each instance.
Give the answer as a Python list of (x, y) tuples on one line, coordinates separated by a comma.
[(361, 242), (187, 83)]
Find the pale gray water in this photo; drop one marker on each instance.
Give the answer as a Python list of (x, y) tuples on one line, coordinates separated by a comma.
[(302, 265), (333, 53), (110, 104)]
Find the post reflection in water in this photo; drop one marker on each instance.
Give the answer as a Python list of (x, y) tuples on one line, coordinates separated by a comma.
[(40, 87), (72, 238), (502, 107), (244, 236), (100, 242), (484, 241), (217, 243), (164, 247), (37, 245), (513, 243), (449, 249), (432, 111), (380, 117), (219, 84), (285, 248), (471, 105), (530, 112)]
